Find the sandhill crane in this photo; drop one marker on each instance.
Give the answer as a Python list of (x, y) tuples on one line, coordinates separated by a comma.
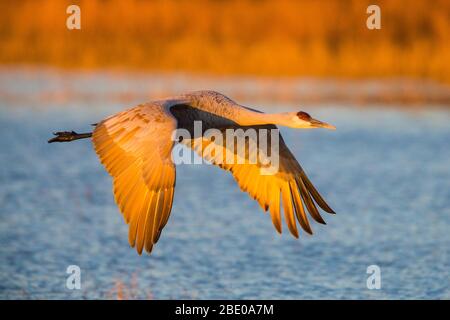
[(135, 146)]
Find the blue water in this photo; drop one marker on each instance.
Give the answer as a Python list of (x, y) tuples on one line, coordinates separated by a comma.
[(385, 172)]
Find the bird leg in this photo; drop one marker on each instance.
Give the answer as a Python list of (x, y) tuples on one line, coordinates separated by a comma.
[(67, 136)]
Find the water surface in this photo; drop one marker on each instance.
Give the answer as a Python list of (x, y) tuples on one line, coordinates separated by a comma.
[(385, 172)]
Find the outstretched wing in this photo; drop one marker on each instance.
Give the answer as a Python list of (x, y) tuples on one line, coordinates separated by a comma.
[(135, 147), (288, 186)]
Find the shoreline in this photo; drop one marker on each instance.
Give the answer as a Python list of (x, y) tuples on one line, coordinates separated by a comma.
[(54, 85)]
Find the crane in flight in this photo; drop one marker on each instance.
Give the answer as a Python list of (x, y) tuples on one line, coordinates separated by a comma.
[(135, 147)]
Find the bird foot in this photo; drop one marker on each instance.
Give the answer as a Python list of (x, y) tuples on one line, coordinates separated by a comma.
[(66, 136)]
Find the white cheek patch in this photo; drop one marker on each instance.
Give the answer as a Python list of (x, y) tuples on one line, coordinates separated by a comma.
[(296, 120), (301, 123)]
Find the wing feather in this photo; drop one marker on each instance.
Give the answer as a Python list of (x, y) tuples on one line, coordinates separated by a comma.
[(309, 203), (288, 210), (316, 195), (274, 207), (299, 209), (289, 186), (135, 148)]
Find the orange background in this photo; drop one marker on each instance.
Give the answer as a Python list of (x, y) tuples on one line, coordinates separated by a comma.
[(290, 38)]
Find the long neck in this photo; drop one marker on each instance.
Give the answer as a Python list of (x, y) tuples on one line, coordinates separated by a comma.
[(250, 118), (220, 105)]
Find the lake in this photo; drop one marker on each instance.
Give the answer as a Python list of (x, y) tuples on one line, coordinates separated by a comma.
[(385, 171)]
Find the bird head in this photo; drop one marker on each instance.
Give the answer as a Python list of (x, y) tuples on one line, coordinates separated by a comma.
[(302, 120)]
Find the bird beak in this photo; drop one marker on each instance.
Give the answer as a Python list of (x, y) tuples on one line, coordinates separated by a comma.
[(319, 124)]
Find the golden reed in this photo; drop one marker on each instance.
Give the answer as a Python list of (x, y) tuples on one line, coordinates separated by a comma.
[(290, 38)]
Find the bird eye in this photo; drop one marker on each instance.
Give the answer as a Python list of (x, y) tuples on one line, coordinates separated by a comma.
[(303, 115)]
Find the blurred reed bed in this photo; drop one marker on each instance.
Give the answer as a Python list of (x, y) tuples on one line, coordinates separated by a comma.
[(290, 38)]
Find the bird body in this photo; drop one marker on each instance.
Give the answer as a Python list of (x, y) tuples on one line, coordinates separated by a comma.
[(135, 147)]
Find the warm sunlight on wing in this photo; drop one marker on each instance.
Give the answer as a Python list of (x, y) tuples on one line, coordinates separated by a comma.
[(137, 155), (288, 186)]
